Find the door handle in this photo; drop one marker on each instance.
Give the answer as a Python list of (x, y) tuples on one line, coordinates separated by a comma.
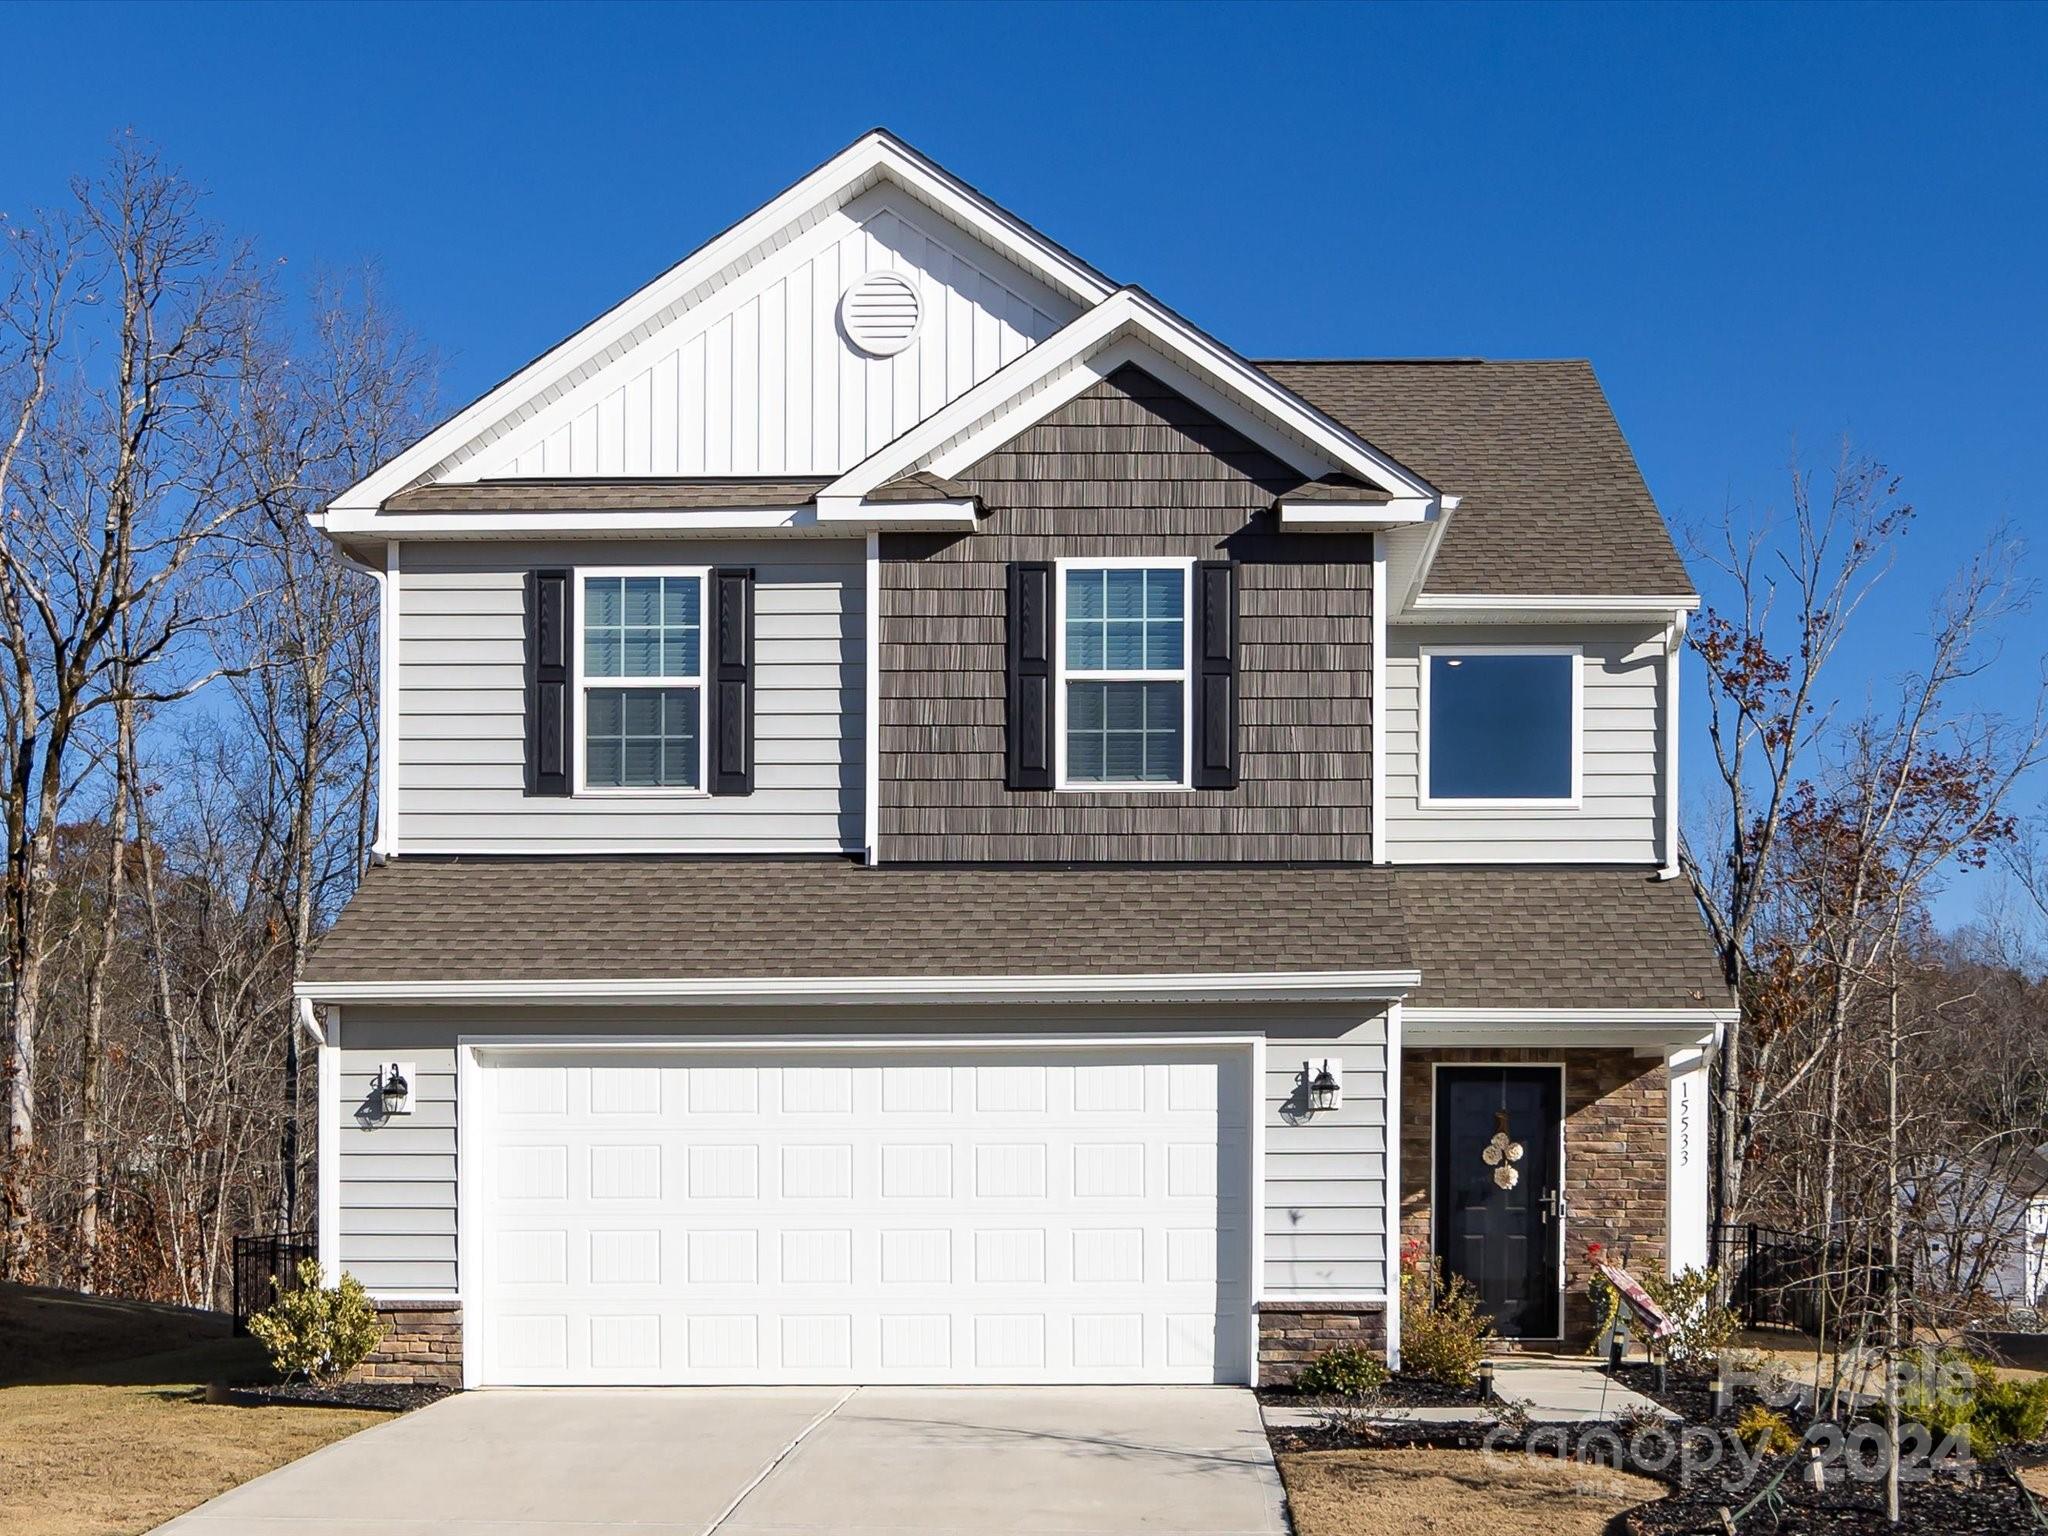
[(1554, 1204)]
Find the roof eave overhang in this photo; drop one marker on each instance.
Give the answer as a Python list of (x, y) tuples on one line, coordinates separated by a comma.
[(1359, 517), (838, 519), (1544, 608), (1374, 986)]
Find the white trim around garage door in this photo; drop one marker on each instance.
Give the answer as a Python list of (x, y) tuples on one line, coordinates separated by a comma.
[(473, 1132)]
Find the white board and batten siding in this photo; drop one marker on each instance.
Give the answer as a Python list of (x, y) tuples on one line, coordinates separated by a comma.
[(1620, 816), (461, 705), (758, 377)]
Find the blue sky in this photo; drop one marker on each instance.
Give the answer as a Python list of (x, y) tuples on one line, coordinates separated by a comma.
[(1767, 226)]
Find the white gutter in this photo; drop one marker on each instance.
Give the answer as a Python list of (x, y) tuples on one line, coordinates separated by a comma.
[(1172, 987)]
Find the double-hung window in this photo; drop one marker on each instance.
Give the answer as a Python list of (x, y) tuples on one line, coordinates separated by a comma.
[(1500, 726), (1123, 684), (640, 681)]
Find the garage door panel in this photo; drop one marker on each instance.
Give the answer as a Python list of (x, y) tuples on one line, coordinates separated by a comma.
[(1054, 1215)]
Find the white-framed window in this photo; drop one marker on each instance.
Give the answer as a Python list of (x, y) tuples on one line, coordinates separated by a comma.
[(1122, 696), (640, 639), (1501, 726)]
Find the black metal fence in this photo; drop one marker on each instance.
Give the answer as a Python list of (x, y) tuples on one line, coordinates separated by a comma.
[(1794, 1279), (265, 1266)]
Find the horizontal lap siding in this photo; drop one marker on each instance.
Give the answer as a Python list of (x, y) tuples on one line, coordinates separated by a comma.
[(462, 705), (1620, 819), (1129, 468), (1326, 1174), (398, 1174)]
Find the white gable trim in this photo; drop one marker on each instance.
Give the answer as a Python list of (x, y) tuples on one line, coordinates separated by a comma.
[(873, 157), (1058, 369)]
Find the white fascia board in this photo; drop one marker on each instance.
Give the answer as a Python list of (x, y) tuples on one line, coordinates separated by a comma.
[(1199, 986), (1481, 608), (638, 522), (1015, 396), (873, 155), (1614, 1028), (940, 512), (1704, 1016), (1359, 517)]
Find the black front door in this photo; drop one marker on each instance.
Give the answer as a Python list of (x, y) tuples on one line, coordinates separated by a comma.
[(1497, 1190)]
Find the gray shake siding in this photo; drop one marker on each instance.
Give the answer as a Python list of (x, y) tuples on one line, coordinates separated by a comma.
[(1324, 1192), (461, 705), (1128, 468)]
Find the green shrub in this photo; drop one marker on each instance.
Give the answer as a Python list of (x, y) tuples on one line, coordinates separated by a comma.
[(1767, 1430), (2008, 1411), (1345, 1371), (317, 1332), (1700, 1328), (1953, 1393), (1443, 1329)]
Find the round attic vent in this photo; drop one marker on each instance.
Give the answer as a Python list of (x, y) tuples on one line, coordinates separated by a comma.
[(880, 313)]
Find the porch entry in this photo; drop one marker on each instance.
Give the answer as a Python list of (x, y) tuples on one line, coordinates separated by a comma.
[(1499, 1190)]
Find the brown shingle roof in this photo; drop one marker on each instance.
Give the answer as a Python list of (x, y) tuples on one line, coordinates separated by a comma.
[(545, 919), (1589, 937), (1482, 937), (1551, 499), (609, 494), (921, 485)]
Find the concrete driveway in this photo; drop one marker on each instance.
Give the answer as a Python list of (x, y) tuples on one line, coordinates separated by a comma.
[(923, 1461)]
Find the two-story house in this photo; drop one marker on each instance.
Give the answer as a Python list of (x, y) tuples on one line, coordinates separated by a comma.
[(939, 825)]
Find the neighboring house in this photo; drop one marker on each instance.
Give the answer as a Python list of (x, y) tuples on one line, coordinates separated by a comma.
[(1976, 1231), (937, 824)]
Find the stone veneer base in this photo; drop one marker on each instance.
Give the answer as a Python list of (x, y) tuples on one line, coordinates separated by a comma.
[(1292, 1333), (422, 1344)]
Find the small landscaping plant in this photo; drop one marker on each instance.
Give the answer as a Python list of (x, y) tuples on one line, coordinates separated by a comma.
[(1767, 1430), (1700, 1327), (318, 1332), (1344, 1371), (1953, 1393), (1443, 1329)]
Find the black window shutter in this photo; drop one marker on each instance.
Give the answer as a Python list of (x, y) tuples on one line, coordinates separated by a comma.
[(550, 622), (1216, 675), (1028, 732), (730, 695)]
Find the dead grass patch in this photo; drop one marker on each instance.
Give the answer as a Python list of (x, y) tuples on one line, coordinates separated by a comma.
[(1455, 1493), (123, 1447)]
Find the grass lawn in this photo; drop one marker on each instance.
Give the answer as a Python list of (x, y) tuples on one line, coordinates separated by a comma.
[(1454, 1493), (101, 1429)]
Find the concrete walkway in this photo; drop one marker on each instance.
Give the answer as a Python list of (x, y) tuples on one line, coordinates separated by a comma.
[(1557, 1389), (928, 1461)]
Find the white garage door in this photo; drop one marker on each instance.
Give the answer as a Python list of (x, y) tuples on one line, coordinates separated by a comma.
[(703, 1216)]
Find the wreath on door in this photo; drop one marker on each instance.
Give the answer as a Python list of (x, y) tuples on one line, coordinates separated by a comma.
[(1502, 1153)]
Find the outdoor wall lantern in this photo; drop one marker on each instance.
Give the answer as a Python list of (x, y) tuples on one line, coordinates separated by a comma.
[(1325, 1084), (394, 1087)]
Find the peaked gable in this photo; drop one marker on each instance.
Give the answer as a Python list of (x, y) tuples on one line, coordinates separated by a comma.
[(988, 285)]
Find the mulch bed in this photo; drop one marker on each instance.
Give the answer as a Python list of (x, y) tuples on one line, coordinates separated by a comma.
[(1993, 1506), (1401, 1391), (1988, 1502), (393, 1396)]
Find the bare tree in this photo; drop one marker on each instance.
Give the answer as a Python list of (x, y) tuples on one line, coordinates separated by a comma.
[(1796, 587)]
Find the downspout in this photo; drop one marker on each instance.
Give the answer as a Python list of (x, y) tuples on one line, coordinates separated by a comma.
[(1674, 653)]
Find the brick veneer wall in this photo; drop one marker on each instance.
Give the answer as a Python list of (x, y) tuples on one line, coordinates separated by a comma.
[(1614, 1136), (422, 1343), (1292, 1333)]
